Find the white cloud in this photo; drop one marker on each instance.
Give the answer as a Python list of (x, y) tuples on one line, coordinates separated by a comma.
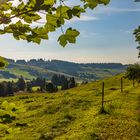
[(110, 10), (88, 35), (83, 18)]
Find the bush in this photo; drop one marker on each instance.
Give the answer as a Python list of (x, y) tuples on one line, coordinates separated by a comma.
[(50, 87)]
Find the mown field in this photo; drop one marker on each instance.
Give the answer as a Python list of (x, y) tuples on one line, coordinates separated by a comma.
[(75, 114)]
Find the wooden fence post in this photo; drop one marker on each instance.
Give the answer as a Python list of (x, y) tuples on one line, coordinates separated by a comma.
[(121, 85), (102, 109), (133, 83)]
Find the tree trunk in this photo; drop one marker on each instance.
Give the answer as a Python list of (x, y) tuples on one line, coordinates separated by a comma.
[(133, 83)]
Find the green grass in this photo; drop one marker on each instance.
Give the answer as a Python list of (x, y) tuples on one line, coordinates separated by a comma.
[(59, 87), (7, 80), (34, 89), (75, 114), (19, 72)]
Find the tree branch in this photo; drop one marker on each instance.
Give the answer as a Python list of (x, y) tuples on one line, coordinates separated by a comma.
[(14, 16)]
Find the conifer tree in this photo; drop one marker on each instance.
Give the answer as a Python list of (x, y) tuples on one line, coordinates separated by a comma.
[(21, 83)]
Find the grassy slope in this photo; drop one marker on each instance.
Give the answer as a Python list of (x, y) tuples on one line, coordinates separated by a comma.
[(74, 114), (83, 73), (19, 72), (23, 70)]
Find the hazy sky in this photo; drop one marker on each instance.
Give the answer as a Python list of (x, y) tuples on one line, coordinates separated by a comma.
[(106, 36)]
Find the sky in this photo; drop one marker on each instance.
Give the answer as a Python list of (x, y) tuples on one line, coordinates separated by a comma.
[(106, 35)]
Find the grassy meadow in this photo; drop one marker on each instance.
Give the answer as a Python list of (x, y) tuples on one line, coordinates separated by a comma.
[(74, 114)]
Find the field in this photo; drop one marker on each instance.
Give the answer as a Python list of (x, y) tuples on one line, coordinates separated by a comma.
[(75, 114)]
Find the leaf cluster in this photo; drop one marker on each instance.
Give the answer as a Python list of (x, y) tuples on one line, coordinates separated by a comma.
[(20, 20), (137, 36), (3, 62)]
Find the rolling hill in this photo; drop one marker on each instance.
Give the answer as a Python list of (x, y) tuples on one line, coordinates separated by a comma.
[(46, 69), (75, 114)]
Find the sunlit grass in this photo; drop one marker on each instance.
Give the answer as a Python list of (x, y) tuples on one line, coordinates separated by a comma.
[(75, 113)]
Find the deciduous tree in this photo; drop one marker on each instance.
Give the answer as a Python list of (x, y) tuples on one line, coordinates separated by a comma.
[(137, 35), (133, 73)]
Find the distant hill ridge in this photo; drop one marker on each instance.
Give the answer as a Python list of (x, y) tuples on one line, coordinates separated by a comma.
[(49, 62)]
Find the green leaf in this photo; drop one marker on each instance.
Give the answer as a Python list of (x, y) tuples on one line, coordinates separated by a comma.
[(36, 40), (69, 36), (49, 2), (91, 4), (77, 10), (63, 12), (104, 1), (32, 3), (63, 40), (5, 6), (72, 32), (3, 63), (52, 19)]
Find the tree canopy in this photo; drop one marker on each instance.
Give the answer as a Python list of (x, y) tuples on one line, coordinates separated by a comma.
[(133, 72), (20, 19), (137, 35)]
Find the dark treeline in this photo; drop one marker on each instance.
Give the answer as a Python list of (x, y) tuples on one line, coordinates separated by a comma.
[(65, 83), (9, 88), (7, 74)]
